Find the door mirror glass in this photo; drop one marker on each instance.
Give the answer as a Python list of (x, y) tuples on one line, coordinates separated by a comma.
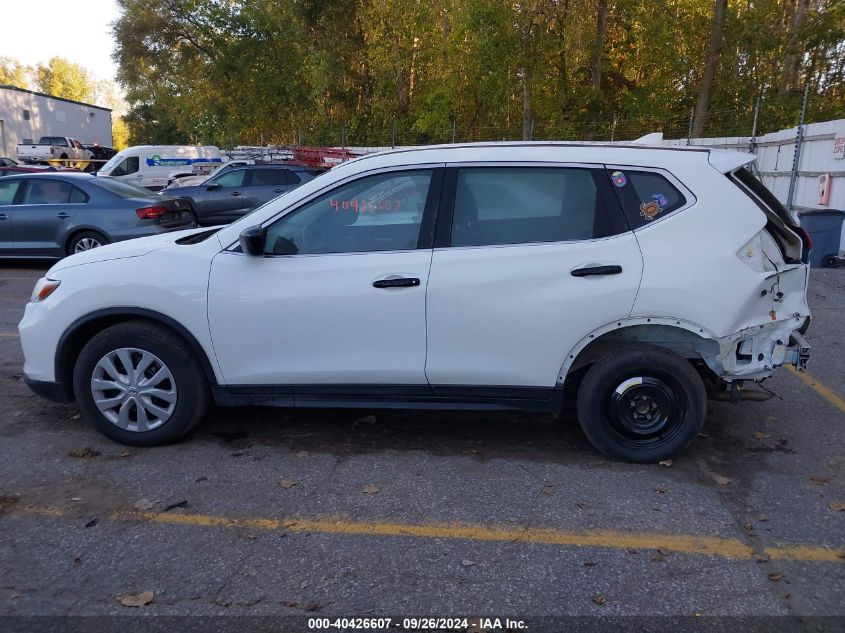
[(211, 185), (252, 240)]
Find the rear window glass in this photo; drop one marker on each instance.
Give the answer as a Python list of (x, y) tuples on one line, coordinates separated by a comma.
[(121, 188), (645, 196)]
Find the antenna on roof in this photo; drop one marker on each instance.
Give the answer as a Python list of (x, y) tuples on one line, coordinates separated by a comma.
[(650, 139)]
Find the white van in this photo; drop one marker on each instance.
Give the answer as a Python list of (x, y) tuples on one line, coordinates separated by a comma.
[(151, 166)]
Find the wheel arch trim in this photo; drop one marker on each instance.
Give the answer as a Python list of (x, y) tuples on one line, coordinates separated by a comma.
[(67, 347), (621, 324)]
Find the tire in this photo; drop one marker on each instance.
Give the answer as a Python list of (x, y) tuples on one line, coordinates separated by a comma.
[(85, 241), (139, 412), (642, 404)]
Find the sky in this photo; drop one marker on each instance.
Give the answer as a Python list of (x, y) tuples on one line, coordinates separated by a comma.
[(78, 30)]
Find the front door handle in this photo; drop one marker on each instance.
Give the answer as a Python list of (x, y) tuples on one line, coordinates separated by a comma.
[(597, 270), (63, 216), (398, 282), (3, 216), (278, 190), (236, 193)]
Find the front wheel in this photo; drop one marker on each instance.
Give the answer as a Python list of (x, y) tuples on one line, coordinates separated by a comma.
[(642, 404), (139, 384)]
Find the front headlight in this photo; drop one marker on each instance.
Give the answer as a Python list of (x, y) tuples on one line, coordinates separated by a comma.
[(44, 287)]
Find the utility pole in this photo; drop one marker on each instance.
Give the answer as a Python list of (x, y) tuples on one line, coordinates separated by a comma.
[(796, 160), (453, 130), (689, 129)]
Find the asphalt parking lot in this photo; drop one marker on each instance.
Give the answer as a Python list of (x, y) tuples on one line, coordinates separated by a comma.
[(372, 513)]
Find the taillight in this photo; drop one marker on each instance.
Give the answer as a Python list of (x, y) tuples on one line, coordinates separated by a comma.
[(151, 213), (805, 238)]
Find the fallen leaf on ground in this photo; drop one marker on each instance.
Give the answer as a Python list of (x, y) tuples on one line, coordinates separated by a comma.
[(370, 490), (91, 523), (75, 417), (467, 562), (84, 453), (303, 584), (580, 505), (125, 454), (838, 506), (819, 480), (749, 527), (287, 483), (367, 419), (312, 607), (599, 599), (762, 517), (666, 462), (76, 498), (589, 563), (660, 490), (722, 481), (761, 436), (144, 504), (178, 504), (303, 454), (662, 552), (139, 600), (775, 576)]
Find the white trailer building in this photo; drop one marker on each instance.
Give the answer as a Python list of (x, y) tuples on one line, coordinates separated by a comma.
[(26, 116)]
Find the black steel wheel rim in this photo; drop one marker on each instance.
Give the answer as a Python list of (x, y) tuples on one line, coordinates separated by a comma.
[(645, 410)]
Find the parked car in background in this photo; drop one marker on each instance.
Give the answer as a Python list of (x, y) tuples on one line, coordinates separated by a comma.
[(152, 166), (633, 279), (99, 153), (234, 192), (5, 161), (58, 213), (177, 180), (51, 148)]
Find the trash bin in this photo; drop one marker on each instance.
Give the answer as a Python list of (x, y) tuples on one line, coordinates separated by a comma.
[(825, 229)]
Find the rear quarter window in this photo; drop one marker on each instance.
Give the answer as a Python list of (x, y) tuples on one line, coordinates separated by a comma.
[(645, 196)]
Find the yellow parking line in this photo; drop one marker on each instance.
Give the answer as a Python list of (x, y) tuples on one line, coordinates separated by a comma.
[(680, 543), (10, 334), (816, 385)]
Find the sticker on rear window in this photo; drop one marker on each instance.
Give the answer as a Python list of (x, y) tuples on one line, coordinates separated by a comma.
[(649, 210), (618, 179), (660, 199)]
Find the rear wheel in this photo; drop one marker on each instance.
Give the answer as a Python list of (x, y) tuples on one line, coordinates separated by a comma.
[(85, 241), (642, 404), (139, 384)]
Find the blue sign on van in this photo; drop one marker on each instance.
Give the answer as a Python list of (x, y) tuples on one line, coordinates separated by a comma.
[(157, 161)]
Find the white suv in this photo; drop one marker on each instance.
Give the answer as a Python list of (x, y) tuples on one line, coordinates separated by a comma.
[(482, 276)]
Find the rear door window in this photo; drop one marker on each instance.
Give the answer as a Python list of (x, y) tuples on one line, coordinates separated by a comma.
[(47, 192), (645, 196), (269, 177), (517, 205)]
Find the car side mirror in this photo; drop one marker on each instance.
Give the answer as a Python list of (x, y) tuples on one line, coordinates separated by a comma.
[(211, 185), (252, 240)]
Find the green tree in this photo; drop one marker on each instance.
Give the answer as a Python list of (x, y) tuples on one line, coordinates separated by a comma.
[(62, 78)]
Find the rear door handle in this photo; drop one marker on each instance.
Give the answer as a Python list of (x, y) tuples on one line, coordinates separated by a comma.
[(597, 270), (3, 216), (398, 282), (63, 215), (278, 190)]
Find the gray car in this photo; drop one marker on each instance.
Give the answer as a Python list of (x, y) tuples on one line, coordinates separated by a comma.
[(57, 214), (228, 195)]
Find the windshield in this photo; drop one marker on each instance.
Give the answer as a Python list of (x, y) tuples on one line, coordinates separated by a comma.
[(114, 160), (123, 189)]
